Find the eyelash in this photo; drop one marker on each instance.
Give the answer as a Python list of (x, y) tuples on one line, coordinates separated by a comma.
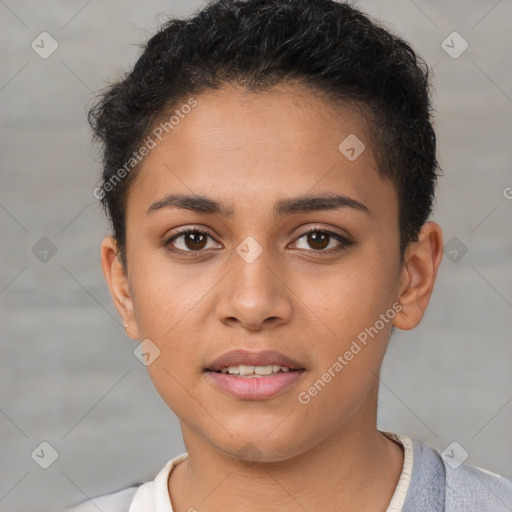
[(344, 242)]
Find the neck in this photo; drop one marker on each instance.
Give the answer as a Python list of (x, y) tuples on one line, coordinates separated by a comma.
[(357, 466)]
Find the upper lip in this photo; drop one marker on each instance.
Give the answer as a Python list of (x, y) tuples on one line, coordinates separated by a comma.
[(261, 358)]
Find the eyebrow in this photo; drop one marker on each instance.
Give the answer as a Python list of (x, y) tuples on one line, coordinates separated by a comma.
[(301, 204)]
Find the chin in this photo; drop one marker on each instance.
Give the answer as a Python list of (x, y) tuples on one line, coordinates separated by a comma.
[(261, 447)]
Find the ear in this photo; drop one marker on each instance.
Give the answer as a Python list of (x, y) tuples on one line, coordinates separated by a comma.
[(117, 281), (418, 275)]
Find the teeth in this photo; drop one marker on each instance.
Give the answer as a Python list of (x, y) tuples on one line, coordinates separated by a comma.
[(246, 370), (243, 369)]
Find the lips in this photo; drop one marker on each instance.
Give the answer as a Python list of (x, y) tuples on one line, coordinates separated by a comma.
[(245, 357)]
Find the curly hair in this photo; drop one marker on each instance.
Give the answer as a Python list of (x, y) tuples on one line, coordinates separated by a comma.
[(331, 48)]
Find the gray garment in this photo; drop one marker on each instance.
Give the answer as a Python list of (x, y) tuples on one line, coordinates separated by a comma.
[(435, 486)]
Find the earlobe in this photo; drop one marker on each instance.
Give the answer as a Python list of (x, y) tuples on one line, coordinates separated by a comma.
[(419, 272), (117, 281)]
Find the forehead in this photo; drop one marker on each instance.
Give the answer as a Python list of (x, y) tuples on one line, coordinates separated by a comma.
[(243, 145)]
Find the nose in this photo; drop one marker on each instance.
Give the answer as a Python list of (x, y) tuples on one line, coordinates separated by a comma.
[(255, 294)]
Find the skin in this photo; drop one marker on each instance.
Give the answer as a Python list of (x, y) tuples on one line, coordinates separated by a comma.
[(250, 150)]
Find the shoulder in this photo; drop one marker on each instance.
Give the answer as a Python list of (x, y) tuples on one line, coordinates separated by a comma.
[(466, 487), (140, 497), (118, 501), (475, 489)]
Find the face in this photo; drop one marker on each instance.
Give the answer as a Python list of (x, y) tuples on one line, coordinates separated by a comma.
[(252, 278)]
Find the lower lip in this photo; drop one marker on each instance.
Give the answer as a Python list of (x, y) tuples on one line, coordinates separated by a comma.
[(255, 388)]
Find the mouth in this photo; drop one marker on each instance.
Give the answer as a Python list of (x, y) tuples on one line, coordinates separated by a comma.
[(243, 362), (254, 375), (249, 371)]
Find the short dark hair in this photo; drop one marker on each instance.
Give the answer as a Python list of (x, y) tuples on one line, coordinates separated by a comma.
[(332, 48)]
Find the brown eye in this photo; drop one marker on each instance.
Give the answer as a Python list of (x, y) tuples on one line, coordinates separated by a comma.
[(190, 240), (194, 240), (320, 239)]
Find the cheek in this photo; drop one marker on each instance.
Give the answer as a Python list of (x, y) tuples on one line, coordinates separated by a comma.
[(349, 350), (163, 294), (355, 314), (354, 295), (169, 304)]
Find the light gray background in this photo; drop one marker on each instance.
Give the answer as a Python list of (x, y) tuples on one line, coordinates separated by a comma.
[(68, 375)]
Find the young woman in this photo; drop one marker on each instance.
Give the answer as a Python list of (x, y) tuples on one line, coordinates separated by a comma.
[(269, 172)]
